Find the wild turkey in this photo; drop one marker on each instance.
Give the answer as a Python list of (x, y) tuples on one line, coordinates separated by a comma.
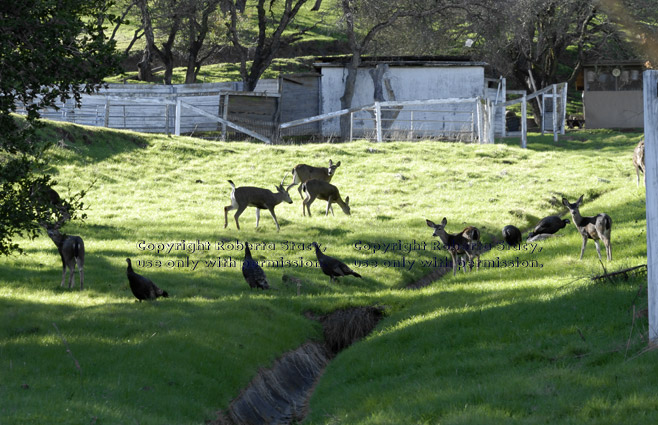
[(512, 235), (143, 288), (252, 272), (549, 225), (332, 267)]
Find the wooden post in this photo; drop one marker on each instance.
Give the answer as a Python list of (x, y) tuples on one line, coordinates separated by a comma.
[(651, 174), (167, 120), (543, 112), (555, 129), (107, 112), (351, 125), (378, 121), (177, 118), (225, 116), (478, 111), (473, 115), (524, 121), (492, 123), (563, 116)]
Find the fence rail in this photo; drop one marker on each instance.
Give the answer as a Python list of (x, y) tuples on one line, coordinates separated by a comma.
[(218, 110)]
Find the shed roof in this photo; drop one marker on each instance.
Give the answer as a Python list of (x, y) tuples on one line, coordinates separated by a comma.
[(416, 61)]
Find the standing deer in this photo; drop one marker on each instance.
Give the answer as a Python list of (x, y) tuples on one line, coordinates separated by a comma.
[(327, 192), (638, 162), (303, 173), (460, 244), (71, 250), (249, 196), (596, 227)]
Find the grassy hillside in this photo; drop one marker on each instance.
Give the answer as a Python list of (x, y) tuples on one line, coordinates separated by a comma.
[(514, 344)]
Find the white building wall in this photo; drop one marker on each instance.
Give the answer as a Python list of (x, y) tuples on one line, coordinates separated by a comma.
[(407, 83)]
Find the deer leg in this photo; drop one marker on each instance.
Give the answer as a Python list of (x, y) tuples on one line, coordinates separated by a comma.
[(598, 248), (454, 263), (71, 273), (226, 210), (329, 207), (63, 272), (308, 202), (582, 248), (237, 215), (608, 248), (274, 218), (257, 216), (82, 273), (299, 189)]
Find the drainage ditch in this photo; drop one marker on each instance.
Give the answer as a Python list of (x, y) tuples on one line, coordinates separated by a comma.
[(280, 395)]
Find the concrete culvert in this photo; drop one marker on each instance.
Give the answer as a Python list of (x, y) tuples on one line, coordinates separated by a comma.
[(280, 395)]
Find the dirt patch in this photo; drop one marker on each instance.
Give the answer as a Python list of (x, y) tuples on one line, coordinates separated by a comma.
[(280, 395)]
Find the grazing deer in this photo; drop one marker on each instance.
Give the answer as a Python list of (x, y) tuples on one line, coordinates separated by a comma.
[(71, 250), (638, 162), (303, 173), (597, 227), (327, 192), (249, 196), (460, 244)]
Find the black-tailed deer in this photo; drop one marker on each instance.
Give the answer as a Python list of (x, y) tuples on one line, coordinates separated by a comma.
[(71, 250), (638, 162), (597, 227), (463, 243), (325, 191), (249, 196), (303, 173)]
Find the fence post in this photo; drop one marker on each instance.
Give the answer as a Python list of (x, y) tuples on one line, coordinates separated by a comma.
[(555, 129), (378, 121), (351, 125), (107, 112), (177, 118), (225, 116), (564, 106), (651, 173), (492, 123), (524, 121), (478, 112), (473, 114)]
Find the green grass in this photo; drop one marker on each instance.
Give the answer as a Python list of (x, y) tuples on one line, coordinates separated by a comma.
[(502, 345)]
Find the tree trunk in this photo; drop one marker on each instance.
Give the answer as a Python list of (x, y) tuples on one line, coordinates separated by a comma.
[(144, 71)]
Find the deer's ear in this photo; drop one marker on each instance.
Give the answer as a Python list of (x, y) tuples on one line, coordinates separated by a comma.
[(338, 163), (444, 221), (347, 200), (565, 202), (580, 200), (430, 223)]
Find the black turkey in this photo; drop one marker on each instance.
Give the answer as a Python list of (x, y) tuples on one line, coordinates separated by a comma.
[(549, 225), (512, 235), (252, 272), (143, 288), (332, 267)]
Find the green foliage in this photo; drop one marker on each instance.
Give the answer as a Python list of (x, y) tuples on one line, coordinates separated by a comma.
[(512, 345), (50, 51)]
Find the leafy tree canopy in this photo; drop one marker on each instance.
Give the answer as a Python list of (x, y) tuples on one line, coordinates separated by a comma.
[(51, 50)]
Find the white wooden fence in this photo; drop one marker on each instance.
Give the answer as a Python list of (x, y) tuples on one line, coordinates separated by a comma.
[(474, 122), (557, 95), (194, 108)]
